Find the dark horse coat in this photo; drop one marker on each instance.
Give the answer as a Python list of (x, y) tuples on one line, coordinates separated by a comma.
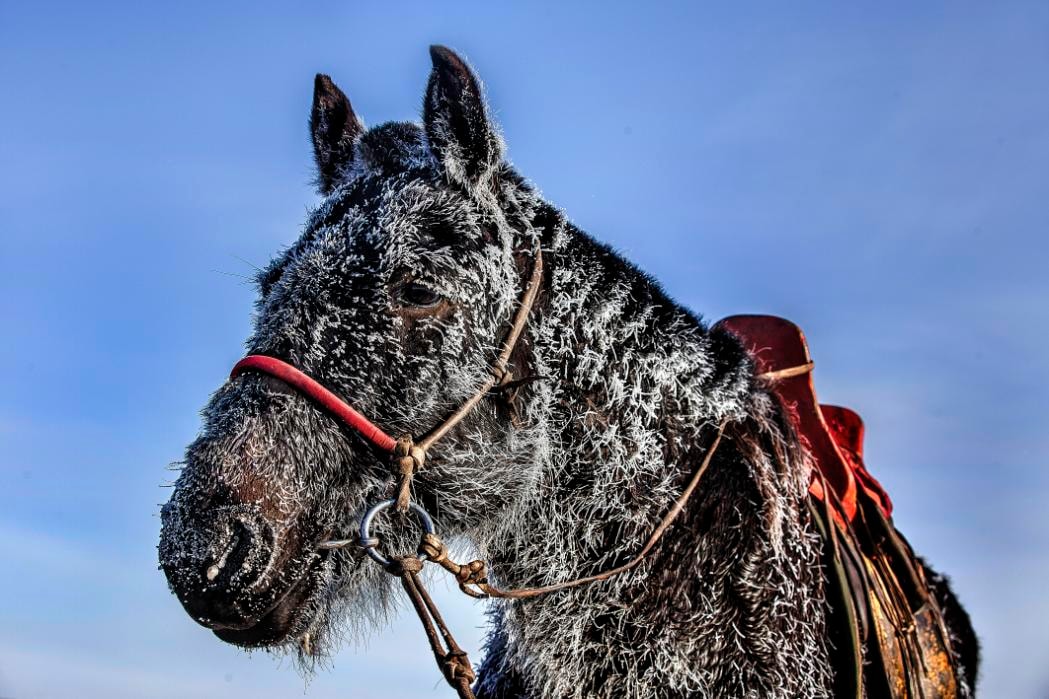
[(395, 296)]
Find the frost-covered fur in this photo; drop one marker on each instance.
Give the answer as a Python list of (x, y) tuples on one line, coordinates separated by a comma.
[(396, 297)]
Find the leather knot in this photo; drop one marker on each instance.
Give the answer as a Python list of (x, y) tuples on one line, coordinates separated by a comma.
[(435, 549), (408, 458), (501, 373), (405, 565), (472, 573), (456, 666)]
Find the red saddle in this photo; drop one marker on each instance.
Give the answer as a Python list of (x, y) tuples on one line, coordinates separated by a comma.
[(887, 631), (833, 435)]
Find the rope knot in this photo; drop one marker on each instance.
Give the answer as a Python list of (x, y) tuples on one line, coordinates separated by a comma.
[(409, 459), (472, 573), (410, 456), (434, 548), (500, 373), (405, 566), (456, 666)]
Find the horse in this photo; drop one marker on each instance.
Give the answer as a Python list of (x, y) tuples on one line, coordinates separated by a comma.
[(396, 296)]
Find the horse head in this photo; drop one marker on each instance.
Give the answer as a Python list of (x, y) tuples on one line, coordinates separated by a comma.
[(396, 297)]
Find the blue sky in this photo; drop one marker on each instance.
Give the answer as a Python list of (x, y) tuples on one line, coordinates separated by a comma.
[(877, 174)]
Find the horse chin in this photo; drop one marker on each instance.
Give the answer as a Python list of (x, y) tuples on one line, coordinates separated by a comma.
[(290, 617)]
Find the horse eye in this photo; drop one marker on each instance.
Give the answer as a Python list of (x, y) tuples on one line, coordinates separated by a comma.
[(414, 294)]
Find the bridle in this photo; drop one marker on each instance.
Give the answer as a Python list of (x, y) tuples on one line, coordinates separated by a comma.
[(408, 455)]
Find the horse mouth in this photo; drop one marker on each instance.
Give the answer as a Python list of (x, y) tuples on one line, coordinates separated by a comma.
[(288, 617)]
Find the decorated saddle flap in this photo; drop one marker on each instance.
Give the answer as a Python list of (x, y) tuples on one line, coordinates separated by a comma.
[(886, 630)]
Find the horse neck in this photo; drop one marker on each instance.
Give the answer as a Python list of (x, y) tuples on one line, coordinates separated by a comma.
[(636, 386), (639, 387)]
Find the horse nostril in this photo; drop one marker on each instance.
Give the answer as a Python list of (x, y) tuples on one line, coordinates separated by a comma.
[(246, 556), (233, 546), (219, 562)]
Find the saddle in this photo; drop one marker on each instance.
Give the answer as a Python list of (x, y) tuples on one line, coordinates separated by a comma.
[(887, 632)]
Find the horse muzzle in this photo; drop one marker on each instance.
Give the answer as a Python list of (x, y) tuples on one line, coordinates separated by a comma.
[(233, 571)]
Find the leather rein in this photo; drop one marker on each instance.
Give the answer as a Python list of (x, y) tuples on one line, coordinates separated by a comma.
[(408, 456)]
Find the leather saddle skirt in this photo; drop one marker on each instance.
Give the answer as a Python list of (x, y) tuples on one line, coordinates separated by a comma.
[(887, 633)]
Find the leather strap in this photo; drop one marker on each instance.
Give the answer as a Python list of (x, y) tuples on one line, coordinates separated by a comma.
[(474, 573), (408, 455), (308, 386)]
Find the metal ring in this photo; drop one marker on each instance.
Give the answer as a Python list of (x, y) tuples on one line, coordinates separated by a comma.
[(370, 543)]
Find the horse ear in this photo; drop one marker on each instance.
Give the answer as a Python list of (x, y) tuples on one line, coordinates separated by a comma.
[(456, 119), (334, 128)]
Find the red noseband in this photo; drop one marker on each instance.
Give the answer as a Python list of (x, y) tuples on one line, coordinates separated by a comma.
[(407, 455), (322, 396)]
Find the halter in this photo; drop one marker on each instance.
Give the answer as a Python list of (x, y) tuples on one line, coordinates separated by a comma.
[(408, 456)]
